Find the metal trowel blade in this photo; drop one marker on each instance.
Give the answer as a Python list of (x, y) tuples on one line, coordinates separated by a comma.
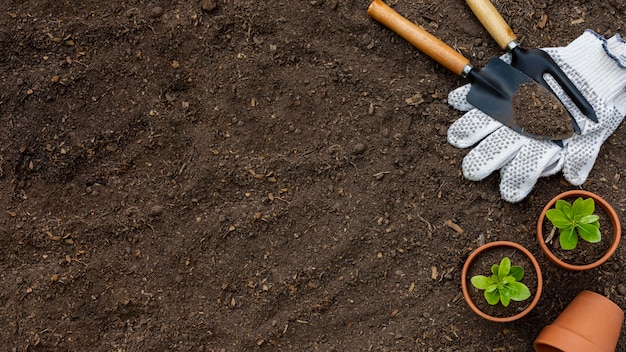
[(492, 92)]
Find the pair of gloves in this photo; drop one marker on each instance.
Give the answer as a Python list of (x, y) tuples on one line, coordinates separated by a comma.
[(597, 67)]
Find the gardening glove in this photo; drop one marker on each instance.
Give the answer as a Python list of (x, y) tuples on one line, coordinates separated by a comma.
[(597, 67)]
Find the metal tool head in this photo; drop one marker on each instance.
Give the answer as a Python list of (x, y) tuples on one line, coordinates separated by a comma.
[(535, 63), (493, 88)]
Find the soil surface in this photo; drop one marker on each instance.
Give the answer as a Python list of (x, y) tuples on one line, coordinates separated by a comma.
[(538, 111), (238, 175)]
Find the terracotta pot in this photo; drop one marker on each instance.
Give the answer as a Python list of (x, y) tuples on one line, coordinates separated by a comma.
[(488, 246), (590, 323), (617, 230)]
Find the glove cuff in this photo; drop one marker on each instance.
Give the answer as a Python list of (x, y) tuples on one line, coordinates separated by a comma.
[(599, 63)]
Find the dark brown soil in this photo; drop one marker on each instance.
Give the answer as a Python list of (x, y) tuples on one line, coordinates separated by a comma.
[(482, 266), (240, 175), (538, 111)]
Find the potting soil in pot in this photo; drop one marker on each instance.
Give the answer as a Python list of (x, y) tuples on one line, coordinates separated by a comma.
[(585, 252), (482, 266)]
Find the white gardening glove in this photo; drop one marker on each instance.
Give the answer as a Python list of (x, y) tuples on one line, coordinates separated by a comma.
[(598, 69)]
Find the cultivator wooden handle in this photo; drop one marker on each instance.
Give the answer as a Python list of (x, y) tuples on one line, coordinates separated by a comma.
[(535, 63), (419, 37), (493, 86), (491, 19)]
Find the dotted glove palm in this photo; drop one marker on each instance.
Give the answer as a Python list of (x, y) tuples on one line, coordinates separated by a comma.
[(598, 69)]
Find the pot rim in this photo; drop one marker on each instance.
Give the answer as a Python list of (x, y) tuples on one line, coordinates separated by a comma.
[(563, 335), (471, 259), (615, 223)]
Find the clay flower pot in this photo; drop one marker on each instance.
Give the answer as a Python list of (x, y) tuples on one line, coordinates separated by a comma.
[(590, 323), (472, 260), (610, 212)]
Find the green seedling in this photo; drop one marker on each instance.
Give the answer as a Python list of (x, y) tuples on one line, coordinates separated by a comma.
[(504, 284), (573, 220)]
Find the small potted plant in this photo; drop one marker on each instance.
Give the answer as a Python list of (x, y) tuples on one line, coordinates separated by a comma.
[(504, 285), (501, 281), (585, 239)]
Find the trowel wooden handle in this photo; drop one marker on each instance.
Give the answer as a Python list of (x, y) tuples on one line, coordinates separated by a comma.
[(418, 36), (491, 19)]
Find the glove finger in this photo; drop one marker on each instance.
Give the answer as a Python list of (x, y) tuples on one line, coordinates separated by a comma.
[(492, 153), (471, 128), (583, 150), (458, 98), (519, 176), (581, 156)]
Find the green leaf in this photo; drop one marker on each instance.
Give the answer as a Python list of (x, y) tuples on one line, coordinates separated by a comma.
[(568, 239), (588, 219), (568, 210), (589, 233), (558, 218), (517, 272), (492, 297), (505, 297), (494, 269), (518, 291), (492, 287), (561, 204), (505, 268), (507, 280), (584, 207), (480, 282)]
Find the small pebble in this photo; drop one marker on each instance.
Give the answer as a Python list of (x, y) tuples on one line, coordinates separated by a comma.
[(208, 5), (621, 288), (156, 12), (156, 210), (358, 148)]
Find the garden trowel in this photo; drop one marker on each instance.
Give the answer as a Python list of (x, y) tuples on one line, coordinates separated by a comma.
[(535, 63), (493, 86)]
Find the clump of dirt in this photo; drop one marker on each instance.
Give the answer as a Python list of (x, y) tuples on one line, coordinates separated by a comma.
[(538, 111)]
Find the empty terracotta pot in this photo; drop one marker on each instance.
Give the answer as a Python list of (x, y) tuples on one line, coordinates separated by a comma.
[(615, 223), (590, 323)]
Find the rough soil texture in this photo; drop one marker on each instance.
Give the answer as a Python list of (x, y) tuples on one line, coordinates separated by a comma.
[(238, 175), (538, 111)]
